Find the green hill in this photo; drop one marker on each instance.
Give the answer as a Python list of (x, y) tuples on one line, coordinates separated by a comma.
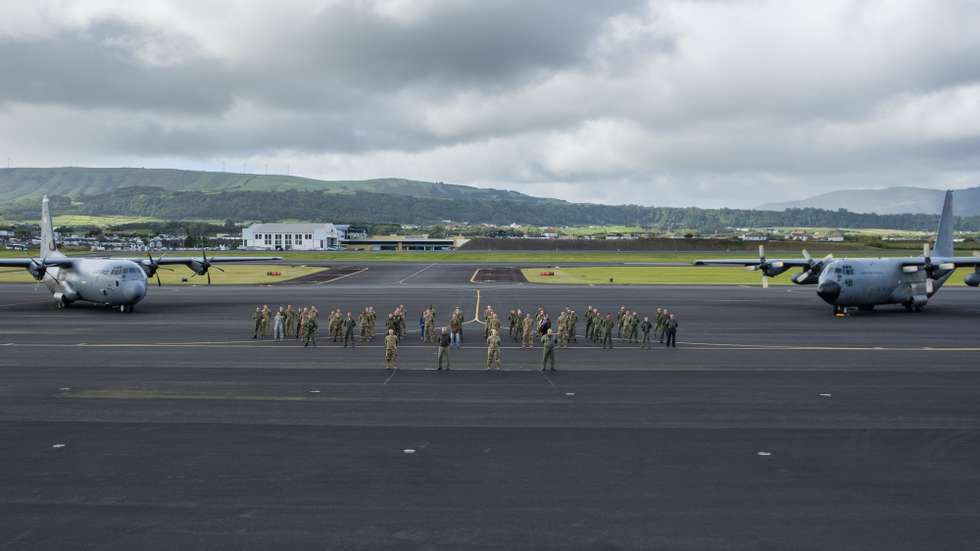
[(193, 195), (75, 182)]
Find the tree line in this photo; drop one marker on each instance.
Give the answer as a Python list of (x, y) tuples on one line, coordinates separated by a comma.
[(380, 208)]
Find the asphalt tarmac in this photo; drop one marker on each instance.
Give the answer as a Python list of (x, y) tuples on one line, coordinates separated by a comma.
[(773, 426)]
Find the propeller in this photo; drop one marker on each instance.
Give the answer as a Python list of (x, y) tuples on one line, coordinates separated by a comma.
[(765, 266), (812, 268), (152, 267), (203, 266)]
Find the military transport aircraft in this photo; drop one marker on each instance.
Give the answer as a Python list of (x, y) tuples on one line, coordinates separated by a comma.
[(115, 282), (869, 282)]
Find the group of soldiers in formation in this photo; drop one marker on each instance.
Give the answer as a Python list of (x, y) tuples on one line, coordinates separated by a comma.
[(523, 327), (286, 323)]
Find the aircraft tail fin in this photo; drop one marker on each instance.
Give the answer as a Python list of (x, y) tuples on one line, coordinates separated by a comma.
[(944, 236), (48, 247)]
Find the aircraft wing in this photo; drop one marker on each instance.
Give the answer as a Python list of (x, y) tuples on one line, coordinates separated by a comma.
[(187, 260), (945, 262), (27, 262), (796, 262)]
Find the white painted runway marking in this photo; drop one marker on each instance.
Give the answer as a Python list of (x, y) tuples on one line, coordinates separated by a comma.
[(58, 446), (763, 454), (825, 395), (408, 451), (402, 282), (362, 270), (546, 378), (393, 371), (261, 345)]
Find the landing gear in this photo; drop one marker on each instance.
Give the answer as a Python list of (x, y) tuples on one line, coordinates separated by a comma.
[(126, 308), (62, 303), (911, 306), (840, 311)]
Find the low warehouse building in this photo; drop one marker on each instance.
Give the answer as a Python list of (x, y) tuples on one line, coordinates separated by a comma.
[(291, 237)]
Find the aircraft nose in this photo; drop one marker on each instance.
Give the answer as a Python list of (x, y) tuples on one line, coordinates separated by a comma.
[(829, 291), (135, 292)]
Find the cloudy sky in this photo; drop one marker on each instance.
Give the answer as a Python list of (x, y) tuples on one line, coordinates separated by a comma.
[(699, 102)]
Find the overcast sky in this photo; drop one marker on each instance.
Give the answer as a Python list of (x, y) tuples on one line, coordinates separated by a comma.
[(705, 103)]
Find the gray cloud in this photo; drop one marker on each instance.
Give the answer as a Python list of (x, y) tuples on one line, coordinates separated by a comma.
[(669, 102)]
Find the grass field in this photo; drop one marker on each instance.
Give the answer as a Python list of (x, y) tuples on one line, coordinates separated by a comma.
[(686, 275), (234, 274)]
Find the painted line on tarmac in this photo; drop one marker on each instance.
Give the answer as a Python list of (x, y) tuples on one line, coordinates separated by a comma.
[(688, 346), (476, 308), (403, 280), (393, 371), (475, 273), (362, 270)]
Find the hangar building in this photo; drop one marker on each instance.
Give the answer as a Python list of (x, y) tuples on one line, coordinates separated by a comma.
[(292, 237)]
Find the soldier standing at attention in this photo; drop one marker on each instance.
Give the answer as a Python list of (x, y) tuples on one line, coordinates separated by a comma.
[(402, 322), (391, 350), (349, 324), (279, 325), (362, 319), (619, 321), (493, 351), (588, 321), (290, 321), (645, 328), (658, 327), (510, 324), (444, 342), (607, 331), (257, 318), (671, 330), (266, 320), (528, 331), (572, 326), (304, 317), (312, 326), (548, 341)]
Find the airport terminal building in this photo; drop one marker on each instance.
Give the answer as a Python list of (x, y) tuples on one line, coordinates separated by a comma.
[(291, 237)]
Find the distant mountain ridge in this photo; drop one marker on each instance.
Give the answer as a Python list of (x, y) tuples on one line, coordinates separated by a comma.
[(892, 200), (75, 182), (180, 195)]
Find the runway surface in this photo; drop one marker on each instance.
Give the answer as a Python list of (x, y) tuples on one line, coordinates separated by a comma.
[(773, 426)]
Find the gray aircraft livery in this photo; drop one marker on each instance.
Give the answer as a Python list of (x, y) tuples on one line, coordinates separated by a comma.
[(116, 282), (869, 282)]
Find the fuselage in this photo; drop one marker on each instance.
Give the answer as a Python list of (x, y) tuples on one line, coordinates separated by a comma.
[(874, 281), (104, 281)]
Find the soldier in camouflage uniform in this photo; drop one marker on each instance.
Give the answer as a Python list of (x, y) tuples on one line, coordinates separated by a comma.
[(607, 332), (257, 318), (493, 351), (528, 331), (391, 350), (266, 321), (312, 327)]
